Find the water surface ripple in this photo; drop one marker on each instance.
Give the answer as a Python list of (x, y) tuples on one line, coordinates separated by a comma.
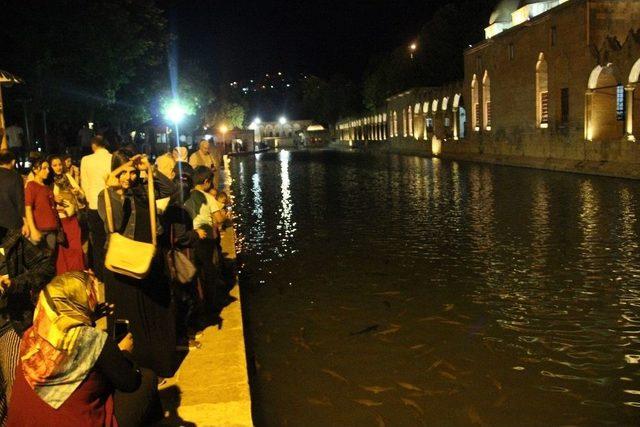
[(399, 291)]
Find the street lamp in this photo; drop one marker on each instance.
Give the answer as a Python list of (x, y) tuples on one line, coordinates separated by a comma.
[(412, 48), (282, 120), (175, 113)]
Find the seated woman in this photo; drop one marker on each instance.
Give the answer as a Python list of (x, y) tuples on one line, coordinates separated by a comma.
[(68, 369)]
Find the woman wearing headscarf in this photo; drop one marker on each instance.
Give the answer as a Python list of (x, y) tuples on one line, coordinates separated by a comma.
[(145, 303), (68, 369)]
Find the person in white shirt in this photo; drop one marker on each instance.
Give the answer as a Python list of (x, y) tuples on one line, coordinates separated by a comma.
[(207, 156), (94, 170)]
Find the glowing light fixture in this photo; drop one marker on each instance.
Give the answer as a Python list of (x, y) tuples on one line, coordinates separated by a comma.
[(175, 112), (282, 120), (223, 129)]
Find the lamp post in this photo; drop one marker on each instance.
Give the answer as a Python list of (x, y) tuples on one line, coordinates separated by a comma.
[(412, 49), (175, 113)]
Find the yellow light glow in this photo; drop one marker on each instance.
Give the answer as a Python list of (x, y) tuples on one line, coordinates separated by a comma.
[(413, 46), (223, 129), (436, 147)]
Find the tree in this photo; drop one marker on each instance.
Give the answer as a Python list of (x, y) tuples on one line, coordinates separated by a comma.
[(81, 59), (194, 90), (229, 114)]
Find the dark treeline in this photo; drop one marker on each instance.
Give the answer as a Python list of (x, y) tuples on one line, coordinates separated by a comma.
[(111, 62)]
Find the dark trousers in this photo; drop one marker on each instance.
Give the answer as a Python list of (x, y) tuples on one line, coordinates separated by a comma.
[(210, 275), (97, 240)]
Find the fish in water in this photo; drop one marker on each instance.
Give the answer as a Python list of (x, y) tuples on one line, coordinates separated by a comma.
[(299, 340), (367, 402), (416, 347), (380, 421), (447, 375), (391, 330), (412, 404), (376, 389), (408, 386), (474, 417), (335, 375), (435, 364), (366, 330), (319, 402)]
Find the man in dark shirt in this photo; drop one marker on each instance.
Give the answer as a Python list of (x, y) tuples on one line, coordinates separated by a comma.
[(24, 270), (11, 194)]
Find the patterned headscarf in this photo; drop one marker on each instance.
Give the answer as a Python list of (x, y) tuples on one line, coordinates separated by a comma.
[(60, 349)]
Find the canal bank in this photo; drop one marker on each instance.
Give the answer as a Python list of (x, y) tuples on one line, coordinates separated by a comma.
[(619, 159)]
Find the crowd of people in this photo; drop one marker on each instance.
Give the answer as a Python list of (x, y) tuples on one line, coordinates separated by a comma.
[(61, 362)]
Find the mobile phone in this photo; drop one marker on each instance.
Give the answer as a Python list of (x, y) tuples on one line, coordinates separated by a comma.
[(120, 329)]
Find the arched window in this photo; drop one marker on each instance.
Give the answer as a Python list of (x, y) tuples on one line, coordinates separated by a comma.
[(604, 105), (542, 92), (475, 103), (486, 100)]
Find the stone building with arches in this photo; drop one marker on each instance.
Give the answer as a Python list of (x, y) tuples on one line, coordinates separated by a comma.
[(555, 84)]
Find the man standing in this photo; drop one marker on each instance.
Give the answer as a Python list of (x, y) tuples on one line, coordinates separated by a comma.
[(205, 157), (12, 214), (94, 170)]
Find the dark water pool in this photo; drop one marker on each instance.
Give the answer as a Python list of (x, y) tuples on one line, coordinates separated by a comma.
[(401, 291)]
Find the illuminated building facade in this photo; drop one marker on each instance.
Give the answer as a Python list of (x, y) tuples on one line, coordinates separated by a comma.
[(552, 80)]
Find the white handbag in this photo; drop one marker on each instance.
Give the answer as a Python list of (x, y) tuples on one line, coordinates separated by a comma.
[(127, 256)]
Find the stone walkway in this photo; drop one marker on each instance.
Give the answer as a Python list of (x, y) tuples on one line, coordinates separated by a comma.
[(211, 387)]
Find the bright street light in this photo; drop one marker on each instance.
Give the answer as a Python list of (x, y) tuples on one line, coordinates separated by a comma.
[(257, 120), (175, 112), (223, 129), (282, 120), (412, 48)]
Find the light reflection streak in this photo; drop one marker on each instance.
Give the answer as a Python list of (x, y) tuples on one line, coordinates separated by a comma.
[(285, 224)]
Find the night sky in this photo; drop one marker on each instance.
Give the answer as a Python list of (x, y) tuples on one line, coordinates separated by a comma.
[(241, 39)]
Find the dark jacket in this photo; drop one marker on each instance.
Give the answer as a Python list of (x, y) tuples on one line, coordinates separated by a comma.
[(30, 268)]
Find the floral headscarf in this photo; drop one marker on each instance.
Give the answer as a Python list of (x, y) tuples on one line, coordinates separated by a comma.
[(60, 349)]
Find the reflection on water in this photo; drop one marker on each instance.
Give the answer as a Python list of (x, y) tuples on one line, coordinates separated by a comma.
[(389, 290)]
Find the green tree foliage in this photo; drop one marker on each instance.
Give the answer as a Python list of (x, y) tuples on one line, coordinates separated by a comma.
[(84, 58), (193, 88), (229, 114)]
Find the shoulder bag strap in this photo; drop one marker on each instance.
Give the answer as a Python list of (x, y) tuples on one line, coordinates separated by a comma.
[(109, 212), (152, 207)]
